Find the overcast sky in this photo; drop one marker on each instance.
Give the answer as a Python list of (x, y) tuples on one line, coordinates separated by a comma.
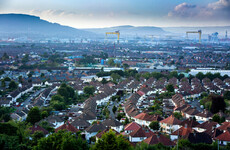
[(106, 13)]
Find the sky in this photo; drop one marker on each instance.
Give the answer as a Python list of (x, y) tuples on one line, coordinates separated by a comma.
[(107, 13)]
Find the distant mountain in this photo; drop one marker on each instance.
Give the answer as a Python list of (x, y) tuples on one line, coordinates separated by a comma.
[(128, 30), (205, 30), (33, 26)]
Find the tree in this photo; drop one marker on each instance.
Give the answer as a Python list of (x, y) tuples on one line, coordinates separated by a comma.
[(89, 90), (44, 114), (63, 92), (58, 105), (110, 141), (7, 79), (116, 77), (227, 95), (125, 66), (57, 98), (61, 140), (103, 81), (25, 58), (20, 79), (173, 74), (170, 88), (34, 115), (177, 115), (154, 125), (5, 56), (111, 62), (218, 104), (42, 75), (200, 75), (187, 70), (114, 109), (119, 116), (13, 85), (36, 136), (5, 113)]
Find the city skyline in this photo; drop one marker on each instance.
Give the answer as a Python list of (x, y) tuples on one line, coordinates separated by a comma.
[(101, 13)]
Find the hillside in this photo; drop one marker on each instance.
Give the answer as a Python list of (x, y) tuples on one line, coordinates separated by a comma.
[(33, 26), (130, 30)]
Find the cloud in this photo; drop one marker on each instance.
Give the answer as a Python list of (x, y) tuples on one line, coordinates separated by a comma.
[(216, 11), (183, 10), (221, 4)]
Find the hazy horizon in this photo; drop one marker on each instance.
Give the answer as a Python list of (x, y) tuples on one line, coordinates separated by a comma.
[(101, 13)]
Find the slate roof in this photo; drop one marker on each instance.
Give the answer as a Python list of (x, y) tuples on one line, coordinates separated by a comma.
[(35, 128), (224, 136), (80, 123), (171, 120), (67, 126), (147, 117), (155, 139), (202, 137), (95, 127), (111, 123), (132, 126)]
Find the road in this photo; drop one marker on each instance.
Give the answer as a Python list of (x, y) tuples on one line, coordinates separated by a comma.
[(110, 107), (27, 101)]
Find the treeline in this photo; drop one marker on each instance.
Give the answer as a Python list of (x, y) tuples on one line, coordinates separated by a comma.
[(158, 75), (126, 73)]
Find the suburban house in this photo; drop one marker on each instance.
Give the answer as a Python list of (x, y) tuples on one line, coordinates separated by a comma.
[(93, 130), (113, 124), (170, 124), (145, 119)]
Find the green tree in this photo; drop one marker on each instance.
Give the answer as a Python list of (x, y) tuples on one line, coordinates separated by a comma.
[(227, 95), (111, 62), (36, 136), (5, 113), (13, 85), (20, 79), (200, 75), (34, 115), (216, 118), (42, 75), (115, 77), (125, 66), (7, 79), (5, 56), (61, 140), (57, 98), (25, 59), (218, 104), (170, 88), (110, 141), (44, 114), (103, 81), (89, 90), (114, 109), (173, 74), (187, 70), (119, 116), (177, 115), (154, 125)]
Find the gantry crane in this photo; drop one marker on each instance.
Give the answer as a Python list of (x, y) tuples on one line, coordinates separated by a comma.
[(199, 31), (116, 32)]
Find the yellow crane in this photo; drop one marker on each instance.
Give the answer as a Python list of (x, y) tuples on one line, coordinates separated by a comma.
[(116, 32), (199, 32)]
